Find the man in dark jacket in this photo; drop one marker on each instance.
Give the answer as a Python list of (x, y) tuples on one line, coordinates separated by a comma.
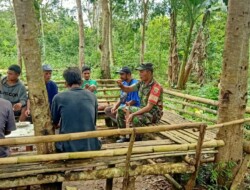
[(7, 123), (14, 91), (75, 110)]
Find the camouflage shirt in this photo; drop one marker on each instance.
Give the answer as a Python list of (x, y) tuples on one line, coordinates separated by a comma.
[(151, 93)]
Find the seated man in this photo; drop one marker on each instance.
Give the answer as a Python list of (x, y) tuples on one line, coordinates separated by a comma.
[(126, 99), (51, 86), (91, 85), (76, 111), (7, 124), (151, 100), (87, 82), (14, 91)]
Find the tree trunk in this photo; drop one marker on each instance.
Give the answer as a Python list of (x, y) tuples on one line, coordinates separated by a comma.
[(186, 52), (42, 32), (27, 30), (197, 53), (81, 33), (111, 47), (173, 65), (233, 93), (143, 29), (19, 52), (104, 47)]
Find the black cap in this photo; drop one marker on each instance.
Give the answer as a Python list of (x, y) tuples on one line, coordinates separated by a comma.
[(124, 70), (15, 68), (145, 66), (86, 68)]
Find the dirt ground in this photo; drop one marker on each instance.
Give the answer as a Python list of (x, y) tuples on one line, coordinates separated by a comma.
[(141, 183)]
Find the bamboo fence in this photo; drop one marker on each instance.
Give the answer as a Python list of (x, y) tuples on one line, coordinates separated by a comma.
[(93, 134), (107, 153)]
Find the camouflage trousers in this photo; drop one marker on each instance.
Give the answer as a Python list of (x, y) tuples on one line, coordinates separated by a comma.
[(137, 121)]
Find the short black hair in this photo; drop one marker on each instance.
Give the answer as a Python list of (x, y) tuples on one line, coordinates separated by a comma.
[(15, 68), (86, 68), (72, 75)]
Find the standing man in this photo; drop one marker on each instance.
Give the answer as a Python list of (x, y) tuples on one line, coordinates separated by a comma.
[(14, 91), (88, 83), (151, 100), (76, 110), (7, 124), (126, 99), (51, 86)]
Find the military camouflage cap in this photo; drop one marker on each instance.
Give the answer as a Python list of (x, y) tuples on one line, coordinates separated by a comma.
[(145, 66)]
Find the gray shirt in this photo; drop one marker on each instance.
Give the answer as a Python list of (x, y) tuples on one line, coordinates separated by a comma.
[(15, 93), (7, 123), (76, 110)]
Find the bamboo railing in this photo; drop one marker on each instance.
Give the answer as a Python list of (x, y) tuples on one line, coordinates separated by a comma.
[(93, 134)]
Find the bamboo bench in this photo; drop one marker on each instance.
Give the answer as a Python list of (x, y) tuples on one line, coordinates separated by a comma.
[(124, 158)]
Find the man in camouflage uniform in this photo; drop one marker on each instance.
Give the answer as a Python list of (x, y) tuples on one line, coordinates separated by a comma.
[(151, 101)]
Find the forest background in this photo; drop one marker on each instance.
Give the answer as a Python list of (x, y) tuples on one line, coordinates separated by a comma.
[(60, 39)]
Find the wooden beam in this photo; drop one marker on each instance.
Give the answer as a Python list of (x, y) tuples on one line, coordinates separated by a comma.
[(154, 169)]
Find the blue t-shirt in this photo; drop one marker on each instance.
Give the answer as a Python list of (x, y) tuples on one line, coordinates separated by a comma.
[(52, 90), (126, 97)]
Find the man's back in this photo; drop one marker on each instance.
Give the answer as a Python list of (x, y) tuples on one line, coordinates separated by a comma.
[(7, 123), (77, 109)]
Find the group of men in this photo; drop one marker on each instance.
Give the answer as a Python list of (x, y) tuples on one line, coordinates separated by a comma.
[(75, 110), (14, 100)]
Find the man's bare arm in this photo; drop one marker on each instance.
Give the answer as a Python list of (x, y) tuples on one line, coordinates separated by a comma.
[(125, 88)]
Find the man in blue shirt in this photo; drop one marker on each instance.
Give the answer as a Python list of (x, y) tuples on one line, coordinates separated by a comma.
[(51, 86), (126, 99)]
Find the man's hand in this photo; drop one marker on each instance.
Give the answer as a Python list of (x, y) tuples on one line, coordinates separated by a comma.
[(17, 106), (27, 112), (129, 118), (91, 88), (119, 83), (113, 110)]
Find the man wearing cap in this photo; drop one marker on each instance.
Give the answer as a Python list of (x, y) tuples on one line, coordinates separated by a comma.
[(51, 86), (151, 100), (88, 83), (126, 99), (14, 91)]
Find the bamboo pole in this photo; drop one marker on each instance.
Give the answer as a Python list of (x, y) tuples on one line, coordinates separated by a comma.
[(155, 169), (241, 173), (191, 113), (191, 105), (93, 134), (108, 96), (191, 182), (107, 153), (126, 179), (226, 124), (169, 178), (192, 98), (109, 89)]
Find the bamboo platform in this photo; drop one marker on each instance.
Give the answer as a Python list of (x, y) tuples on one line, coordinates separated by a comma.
[(181, 136)]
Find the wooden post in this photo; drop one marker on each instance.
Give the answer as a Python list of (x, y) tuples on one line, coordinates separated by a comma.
[(191, 183), (126, 180), (109, 181)]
